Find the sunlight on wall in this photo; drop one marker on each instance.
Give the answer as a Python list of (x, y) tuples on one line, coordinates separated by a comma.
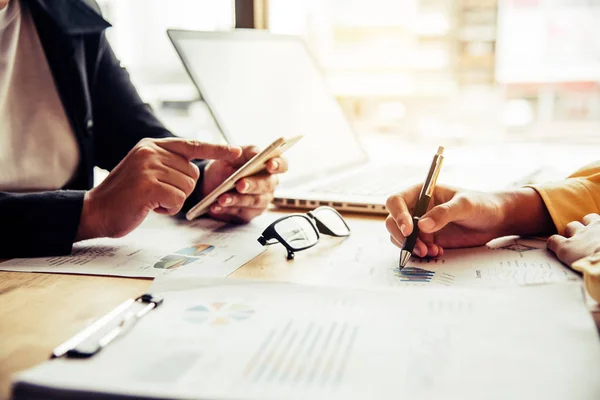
[(463, 70)]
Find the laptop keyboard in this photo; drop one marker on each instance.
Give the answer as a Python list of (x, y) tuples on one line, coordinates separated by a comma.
[(380, 181)]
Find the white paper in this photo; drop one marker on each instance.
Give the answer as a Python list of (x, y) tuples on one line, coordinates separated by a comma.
[(368, 258), (205, 248), (234, 340)]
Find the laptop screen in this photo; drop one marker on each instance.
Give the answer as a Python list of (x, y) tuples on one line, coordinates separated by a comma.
[(260, 87)]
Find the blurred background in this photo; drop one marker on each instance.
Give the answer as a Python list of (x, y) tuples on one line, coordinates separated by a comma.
[(518, 75)]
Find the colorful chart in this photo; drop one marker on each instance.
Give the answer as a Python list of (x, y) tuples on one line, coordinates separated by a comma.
[(411, 274), (184, 256), (174, 261), (196, 250), (218, 313)]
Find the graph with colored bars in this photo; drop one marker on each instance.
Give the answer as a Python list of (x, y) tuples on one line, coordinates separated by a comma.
[(421, 276), (305, 355)]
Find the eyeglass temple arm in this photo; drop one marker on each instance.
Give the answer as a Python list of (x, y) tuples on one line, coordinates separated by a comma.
[(264, 242)]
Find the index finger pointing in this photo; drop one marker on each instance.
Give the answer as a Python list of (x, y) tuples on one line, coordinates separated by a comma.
[(194, 149)]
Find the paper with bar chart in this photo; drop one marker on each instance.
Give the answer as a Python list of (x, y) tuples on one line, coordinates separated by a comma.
[(509, 261), (205, 248), (225, 339), (370, 259)]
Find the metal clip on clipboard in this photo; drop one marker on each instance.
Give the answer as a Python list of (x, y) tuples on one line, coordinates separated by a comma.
[(98, 335)]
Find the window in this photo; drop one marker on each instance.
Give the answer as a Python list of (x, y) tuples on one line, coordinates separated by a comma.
[(461, 69)]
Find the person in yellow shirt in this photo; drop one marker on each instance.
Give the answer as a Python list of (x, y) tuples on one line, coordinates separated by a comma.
[(568, 210)]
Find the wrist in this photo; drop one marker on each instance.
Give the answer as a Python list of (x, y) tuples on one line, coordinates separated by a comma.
[(89, 224), (525, 213)]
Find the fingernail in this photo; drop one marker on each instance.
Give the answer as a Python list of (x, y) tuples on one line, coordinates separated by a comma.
[(275, 165), (226, 200), (217, 209), (245, 186), (427, 223), (403, 229)]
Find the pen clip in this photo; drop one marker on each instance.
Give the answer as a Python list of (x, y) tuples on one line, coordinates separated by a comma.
[(437, 167)]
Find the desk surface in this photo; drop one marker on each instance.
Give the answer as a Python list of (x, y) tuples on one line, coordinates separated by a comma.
[(40, 311)]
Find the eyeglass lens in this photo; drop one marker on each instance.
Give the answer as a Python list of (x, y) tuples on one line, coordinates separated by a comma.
[(331, 220), (297, 231)]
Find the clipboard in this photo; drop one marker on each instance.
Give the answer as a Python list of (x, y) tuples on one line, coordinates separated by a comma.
[(101, 333)]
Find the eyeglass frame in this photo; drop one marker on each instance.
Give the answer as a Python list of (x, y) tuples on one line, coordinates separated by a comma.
[(314, 222)]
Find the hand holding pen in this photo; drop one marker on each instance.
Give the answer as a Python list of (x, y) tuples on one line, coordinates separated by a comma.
[(421, 207), (457, 218)]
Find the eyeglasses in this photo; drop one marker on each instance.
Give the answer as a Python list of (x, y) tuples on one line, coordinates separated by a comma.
[(298, 232)]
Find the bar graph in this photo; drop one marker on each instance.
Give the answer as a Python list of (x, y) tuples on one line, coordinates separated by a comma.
[(411, 274), (303, 353), (416, 276)]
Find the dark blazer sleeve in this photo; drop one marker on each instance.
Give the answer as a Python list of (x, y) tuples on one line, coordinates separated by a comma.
[(39, 224), (45, 224)]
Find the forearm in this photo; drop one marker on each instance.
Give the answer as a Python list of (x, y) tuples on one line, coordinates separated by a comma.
[(39, 224), (524, 213)]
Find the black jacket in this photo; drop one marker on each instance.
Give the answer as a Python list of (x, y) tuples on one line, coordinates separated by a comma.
[(106, 114)]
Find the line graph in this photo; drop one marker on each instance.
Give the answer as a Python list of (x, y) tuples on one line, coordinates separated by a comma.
[(517, 245)]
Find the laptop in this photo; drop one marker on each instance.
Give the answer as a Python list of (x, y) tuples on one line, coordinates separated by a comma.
[(260, 86)]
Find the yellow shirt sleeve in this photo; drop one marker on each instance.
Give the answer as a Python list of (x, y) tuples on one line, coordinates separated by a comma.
[(573, 198)]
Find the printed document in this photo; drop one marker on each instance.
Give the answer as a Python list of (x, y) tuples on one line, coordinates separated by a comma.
[(205, 248), (368, 258), (226, 339)]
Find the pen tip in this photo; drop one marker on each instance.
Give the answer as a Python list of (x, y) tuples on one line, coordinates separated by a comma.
[(440, 150), (404, 257)]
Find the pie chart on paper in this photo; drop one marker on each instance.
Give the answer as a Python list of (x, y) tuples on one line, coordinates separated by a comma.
[(218, 313)]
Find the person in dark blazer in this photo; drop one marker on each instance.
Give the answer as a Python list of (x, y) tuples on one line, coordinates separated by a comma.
[(67, 105)]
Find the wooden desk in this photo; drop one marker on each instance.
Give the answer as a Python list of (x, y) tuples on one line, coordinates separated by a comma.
[(40, 311)]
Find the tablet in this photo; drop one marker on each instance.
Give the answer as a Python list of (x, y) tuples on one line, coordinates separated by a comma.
[(253, 166)]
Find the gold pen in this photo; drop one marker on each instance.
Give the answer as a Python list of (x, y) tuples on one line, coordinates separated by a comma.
[(422, 204)]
